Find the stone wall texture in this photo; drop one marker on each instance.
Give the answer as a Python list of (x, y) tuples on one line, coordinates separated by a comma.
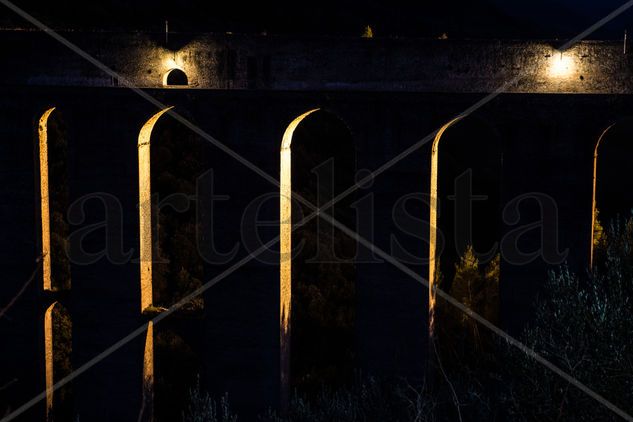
[(225, 61)]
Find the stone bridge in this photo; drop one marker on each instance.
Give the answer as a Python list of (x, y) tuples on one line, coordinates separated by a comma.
[(245, 91)]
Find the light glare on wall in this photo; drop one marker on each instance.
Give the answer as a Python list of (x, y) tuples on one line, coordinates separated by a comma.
[(170, 63), (174, 72), (561, 66)]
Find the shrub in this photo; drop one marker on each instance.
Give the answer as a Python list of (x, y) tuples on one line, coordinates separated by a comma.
[(368, 400), (583, 325), (202, 408)]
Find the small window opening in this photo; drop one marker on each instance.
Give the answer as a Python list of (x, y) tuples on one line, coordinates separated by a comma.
[(176, 77)]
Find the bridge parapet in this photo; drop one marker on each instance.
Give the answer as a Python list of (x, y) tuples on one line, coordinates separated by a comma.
[(226, 61)]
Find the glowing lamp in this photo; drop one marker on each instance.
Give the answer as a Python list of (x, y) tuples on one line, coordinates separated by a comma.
[(561, 67)]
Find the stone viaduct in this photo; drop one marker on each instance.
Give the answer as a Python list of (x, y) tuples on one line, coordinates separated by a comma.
[(245, 90)]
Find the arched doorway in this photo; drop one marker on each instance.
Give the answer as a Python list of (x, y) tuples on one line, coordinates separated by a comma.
[(317, 273), (465, 228), (171, 159), (175, 77), (612, 202)]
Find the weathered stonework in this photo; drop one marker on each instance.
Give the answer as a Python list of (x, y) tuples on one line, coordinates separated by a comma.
[(221, 61)]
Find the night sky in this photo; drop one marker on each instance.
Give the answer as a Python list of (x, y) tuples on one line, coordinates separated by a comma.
[(457, 18)]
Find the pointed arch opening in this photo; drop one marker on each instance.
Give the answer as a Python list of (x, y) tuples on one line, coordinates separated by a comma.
[(171, 160), (146, 242), (465, 228), (317, 274), (53, 198), (612, 202), (58, 362)]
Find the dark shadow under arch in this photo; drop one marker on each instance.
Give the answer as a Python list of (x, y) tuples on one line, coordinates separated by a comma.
[(175, 77), (318, 282), (178, 158), (52, 147), (465, 228), (178, 360), (171, 159), (612, 189)]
